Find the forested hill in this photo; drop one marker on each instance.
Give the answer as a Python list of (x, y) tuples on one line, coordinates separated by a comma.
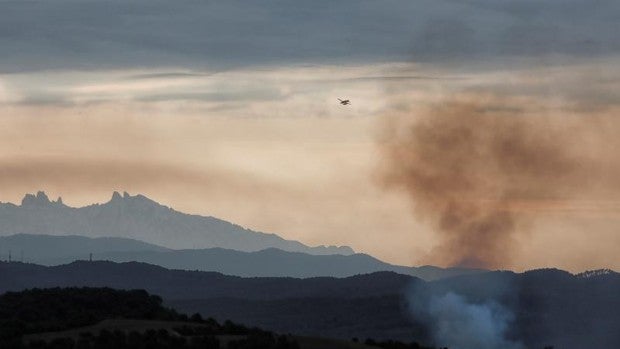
[(72, 318), (547, 305), (181, 284), (57, 309)]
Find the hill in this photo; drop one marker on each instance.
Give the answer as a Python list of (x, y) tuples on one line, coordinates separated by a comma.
[(141, 218), (550, 306), (115, 319), (56, 309), (276, 263), (538, 308), (57, 250), (106, 318), (181, 284), (42, 248)]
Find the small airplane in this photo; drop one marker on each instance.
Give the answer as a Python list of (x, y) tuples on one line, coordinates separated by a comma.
[(344, 102)]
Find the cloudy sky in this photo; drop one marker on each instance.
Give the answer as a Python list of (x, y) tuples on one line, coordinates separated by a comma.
[(230, 109)]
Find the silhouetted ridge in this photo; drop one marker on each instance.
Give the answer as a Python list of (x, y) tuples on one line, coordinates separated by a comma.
[(55, 250), (41, 248), (141, 218), (182, 284), (549, 305)]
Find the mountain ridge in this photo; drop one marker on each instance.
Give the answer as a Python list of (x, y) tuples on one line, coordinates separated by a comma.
[(548, 305), (187, 284), (271, 262), (141, 218)]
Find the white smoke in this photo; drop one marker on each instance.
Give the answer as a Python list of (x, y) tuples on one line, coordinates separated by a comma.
[(458, 324)]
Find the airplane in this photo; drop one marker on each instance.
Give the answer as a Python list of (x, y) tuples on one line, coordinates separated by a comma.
[(344, 102)]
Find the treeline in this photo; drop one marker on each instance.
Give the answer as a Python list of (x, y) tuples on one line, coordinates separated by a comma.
[(163, 339), (391, 344)]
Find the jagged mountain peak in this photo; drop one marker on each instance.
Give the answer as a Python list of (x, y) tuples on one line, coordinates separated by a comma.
[(139, 217), (116, 196), (39, 199), (35, 199)]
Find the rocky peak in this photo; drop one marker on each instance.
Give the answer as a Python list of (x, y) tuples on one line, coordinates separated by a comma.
[(132, 201), (116, 196), (40, 199)]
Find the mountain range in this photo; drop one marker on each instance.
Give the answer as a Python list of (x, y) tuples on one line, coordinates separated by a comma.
[(542, 307), (141, 218), (271, 262)]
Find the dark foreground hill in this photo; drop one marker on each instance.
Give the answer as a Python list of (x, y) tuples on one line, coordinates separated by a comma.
[(538, 308), (56, 250), (141, 218), (56, 309), (103, 318)]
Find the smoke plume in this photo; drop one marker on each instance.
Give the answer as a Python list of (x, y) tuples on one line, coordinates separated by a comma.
[(457, 324), (475, 165)]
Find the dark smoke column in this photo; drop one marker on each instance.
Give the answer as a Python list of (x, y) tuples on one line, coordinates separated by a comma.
[(468, 165)]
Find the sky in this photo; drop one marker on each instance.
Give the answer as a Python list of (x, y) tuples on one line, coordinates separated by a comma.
[(230, 109)]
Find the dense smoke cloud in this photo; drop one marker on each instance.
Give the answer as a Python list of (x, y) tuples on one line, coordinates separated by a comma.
[(458, 324), (474, 165)]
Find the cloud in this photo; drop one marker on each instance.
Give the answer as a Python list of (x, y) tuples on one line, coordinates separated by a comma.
[(264, 94), (68, 34), (277, 91), (167, 75)]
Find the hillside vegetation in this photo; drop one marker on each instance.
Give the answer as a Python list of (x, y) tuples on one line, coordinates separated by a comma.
[(104, 318)]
